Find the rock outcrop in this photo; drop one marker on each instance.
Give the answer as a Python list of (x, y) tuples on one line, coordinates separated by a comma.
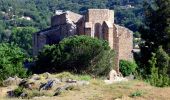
[(43, 85)]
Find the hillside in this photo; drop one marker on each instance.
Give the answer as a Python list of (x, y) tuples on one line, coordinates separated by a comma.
[(37, 13)]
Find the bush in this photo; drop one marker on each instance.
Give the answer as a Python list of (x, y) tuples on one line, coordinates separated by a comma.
[(158, 78), (163, 60), (18, 91), (79, 54), (136, 94), (11, 61), (127, 67)]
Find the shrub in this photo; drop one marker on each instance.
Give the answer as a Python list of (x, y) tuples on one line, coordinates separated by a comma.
[(18, 91), (162, 60), (127, 67), (136, 94), (11, 61), (159, 76), (79, 54)]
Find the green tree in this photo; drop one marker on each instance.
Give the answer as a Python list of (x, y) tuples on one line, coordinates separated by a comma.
[(163, 60), (156, 31), (22, 36), (11, 61), (159, 76), (80, 54)]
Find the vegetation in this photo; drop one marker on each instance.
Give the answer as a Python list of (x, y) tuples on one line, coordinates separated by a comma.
[(159, 76), (155, 32), (73, 76), (18, 91), (77, 54), (37, 13), (11, 61), (136, 94), (22, 36), (127, 67), (156, 39)]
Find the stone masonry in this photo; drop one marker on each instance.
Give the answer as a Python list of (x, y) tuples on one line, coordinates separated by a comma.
[(95, 23)]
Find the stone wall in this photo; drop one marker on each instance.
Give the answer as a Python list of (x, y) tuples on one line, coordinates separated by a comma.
[(116, 47), (100, 15), (125, 43), (58, 19)]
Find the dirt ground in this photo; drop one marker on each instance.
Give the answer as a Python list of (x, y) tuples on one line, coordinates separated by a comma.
[(97, 90)]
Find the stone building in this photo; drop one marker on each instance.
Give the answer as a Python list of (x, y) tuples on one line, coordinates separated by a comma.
[(95, 23)]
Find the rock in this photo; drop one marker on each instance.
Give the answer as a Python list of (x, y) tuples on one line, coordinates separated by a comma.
[(119, 79), (71, 81), (23, 83), (46, 75), (35, 77), (82, 83), (115, 77), (130, 77), (56, 80), (49, 85), (112, 75), (27, 84), (61, 89), (23, 95), (10, 93), (12, 81)]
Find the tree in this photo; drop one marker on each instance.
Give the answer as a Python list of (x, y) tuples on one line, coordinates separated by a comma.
[(11, 61), (159, 76), (22, 36), (163, 60), (42, 10), (156, 31), (79, 54)]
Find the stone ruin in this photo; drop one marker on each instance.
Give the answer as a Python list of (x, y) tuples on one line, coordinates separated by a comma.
[(95, 23)]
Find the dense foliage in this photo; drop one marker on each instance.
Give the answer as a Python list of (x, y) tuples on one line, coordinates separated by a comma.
[(155, 46), (156, 31), (37, 13), (159, 74), (11, 61), (127, 67), (80, 54), (22, 36)]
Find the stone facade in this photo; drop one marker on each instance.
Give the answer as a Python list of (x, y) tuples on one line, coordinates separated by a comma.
[(95, 23)]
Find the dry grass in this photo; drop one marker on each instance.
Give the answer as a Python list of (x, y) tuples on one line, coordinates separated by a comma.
[(97, 90)]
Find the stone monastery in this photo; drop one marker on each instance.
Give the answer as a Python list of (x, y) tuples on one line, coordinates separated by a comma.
[(95, 23)]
